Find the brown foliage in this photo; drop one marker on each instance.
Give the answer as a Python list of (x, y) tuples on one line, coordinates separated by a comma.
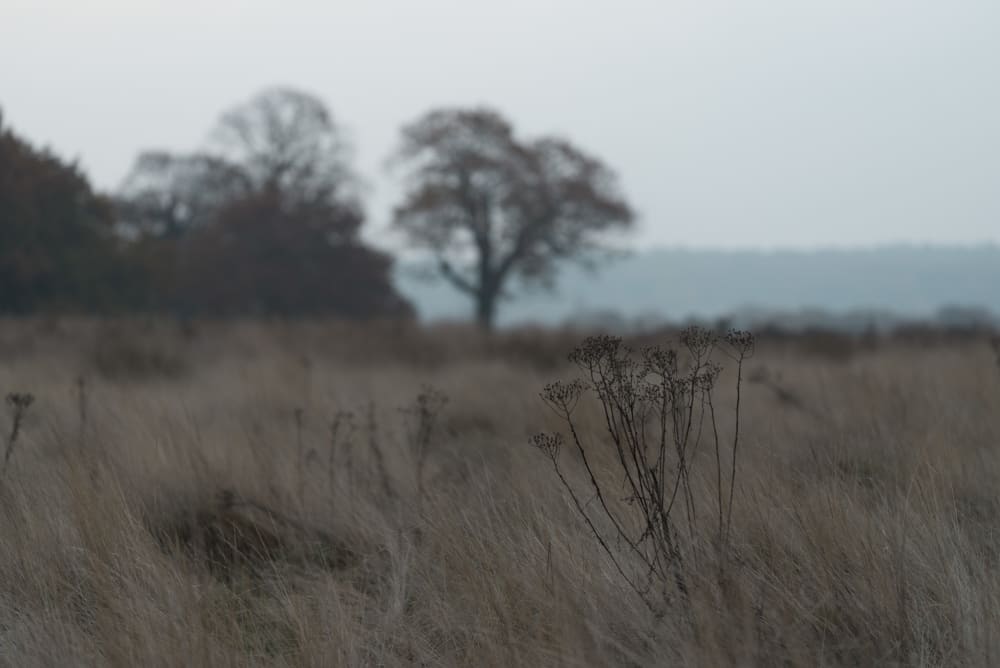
[(263, 221), (262, 255), (57, 248), (491, 207), (232, 533)]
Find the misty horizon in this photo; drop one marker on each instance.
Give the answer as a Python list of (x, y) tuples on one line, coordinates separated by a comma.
[(779, 125), (380, 234), (829, 287)]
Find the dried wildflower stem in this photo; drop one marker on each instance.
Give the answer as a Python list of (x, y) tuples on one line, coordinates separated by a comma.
[(743, 345), (376, 450), (551, 445), (19, 403), (300, 464), (654, 407), (736, 444), (81, 396), (343, 420), (424, 415)]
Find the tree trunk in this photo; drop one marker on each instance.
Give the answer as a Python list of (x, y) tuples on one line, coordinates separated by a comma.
[(486, 309)]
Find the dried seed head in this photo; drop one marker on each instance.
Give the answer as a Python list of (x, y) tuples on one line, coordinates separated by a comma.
[(741, 341), (706, 380), (429, 402), (563, 396), (548, 443), (660, 361), (652, 392), (596, 350), (697, 340), (20, 401)]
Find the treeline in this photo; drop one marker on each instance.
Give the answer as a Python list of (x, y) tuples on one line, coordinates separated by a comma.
[(58, 247), (265, 218)]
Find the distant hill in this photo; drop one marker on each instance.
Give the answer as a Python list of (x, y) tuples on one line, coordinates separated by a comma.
[(878, 284)]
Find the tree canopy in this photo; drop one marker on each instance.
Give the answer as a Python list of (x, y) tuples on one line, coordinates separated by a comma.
[(491, 207), (58, 250), (264, 219)]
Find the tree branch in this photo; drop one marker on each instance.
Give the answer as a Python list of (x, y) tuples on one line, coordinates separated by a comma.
[(455, 278)]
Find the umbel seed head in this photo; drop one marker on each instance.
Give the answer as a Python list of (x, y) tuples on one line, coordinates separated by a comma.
[(20, 400)]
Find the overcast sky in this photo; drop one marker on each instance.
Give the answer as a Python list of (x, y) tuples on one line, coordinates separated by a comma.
[(774, 123)]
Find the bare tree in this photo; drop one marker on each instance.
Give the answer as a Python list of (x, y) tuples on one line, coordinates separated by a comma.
[(491, 207), (166, 196), (264, 219), (287, 141), (282, 142)]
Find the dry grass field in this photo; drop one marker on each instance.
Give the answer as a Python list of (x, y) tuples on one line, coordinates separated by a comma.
[(248, 494)]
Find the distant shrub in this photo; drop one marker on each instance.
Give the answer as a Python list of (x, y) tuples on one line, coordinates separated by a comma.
[(124, 351), (232, 534), (533, 347)]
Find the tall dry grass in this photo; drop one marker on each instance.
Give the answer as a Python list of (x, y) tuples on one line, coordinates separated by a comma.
[(248, 494)]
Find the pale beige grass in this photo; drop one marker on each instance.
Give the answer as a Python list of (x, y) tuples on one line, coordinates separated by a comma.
[(866, 524)]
